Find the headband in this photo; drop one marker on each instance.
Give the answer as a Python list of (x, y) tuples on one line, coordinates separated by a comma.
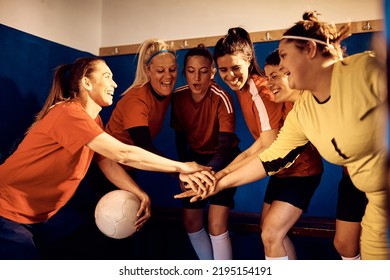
[(307, 39), (156, 53)]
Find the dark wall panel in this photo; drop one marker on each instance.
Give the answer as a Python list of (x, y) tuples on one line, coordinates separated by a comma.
[(26, 68)]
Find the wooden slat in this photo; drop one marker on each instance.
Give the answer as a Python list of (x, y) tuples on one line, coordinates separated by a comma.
[(245, 222), (261, 36)]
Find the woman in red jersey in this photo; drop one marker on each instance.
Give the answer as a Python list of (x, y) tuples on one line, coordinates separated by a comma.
[(43, 174), (288, 193), (203, 118), (139, 114)]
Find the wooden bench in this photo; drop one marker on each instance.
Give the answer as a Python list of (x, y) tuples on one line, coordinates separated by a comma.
[(249, 222)]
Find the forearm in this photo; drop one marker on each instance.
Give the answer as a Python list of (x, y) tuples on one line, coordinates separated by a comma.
[(249, 172), (236, 163), (145, 160), (118, 176), (244, 157), (134, 156)]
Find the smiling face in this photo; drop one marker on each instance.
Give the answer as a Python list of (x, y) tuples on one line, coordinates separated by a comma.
[(278, 83), (199, 72), (294, 61), (234, 70), (101, 85), (162, 72)]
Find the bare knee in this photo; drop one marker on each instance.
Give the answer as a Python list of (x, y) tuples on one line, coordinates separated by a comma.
[(193, 220), (217, 227), (270, 236), (218, 219), (347, 238), (345, 247)]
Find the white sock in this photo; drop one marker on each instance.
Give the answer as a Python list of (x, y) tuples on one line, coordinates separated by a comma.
[(276, 258), (222, 247), (201, 243), (357, 257)]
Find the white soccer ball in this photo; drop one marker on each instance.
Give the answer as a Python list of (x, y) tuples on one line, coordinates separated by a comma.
[(115, 213)]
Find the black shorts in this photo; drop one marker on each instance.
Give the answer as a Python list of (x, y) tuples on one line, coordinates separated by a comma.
[(223, 198), (297, 191), (351, 202)]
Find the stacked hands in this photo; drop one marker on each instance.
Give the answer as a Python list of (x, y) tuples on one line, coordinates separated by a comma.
[(199, 185)]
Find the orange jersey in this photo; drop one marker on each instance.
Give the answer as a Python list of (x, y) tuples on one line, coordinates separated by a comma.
[(204, 120), (260, 113), (138, 107), (44, 172)]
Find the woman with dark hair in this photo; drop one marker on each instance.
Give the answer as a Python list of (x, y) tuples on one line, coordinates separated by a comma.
[(288, 193), (203, 118)]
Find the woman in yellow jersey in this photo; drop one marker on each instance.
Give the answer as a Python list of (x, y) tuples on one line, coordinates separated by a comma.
[(351, 202)]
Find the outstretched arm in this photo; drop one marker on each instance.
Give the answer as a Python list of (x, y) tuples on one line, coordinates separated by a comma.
[(251, 171), (111, 148), (265, 140)]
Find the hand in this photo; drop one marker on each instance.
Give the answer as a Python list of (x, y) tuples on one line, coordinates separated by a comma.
[(196, 196), (183, 186), (144, 211), (198, 181)]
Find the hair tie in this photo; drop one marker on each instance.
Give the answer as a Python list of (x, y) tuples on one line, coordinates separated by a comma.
[(308, 39), (156, 53)]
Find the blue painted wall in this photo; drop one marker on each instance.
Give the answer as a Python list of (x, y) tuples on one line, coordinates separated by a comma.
[(26, 67)]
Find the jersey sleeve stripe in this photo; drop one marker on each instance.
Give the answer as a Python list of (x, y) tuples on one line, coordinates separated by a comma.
[(274, 166), (261, 109), (181, 88), (225, 99)]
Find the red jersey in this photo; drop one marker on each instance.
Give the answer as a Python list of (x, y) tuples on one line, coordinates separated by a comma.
[(260, 113), (140, 106), (203, 121), (44, 172)]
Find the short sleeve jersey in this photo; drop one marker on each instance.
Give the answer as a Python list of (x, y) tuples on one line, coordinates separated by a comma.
[(48, 165), (140, 106), (203, 121), (260, 113), (309, 161)]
